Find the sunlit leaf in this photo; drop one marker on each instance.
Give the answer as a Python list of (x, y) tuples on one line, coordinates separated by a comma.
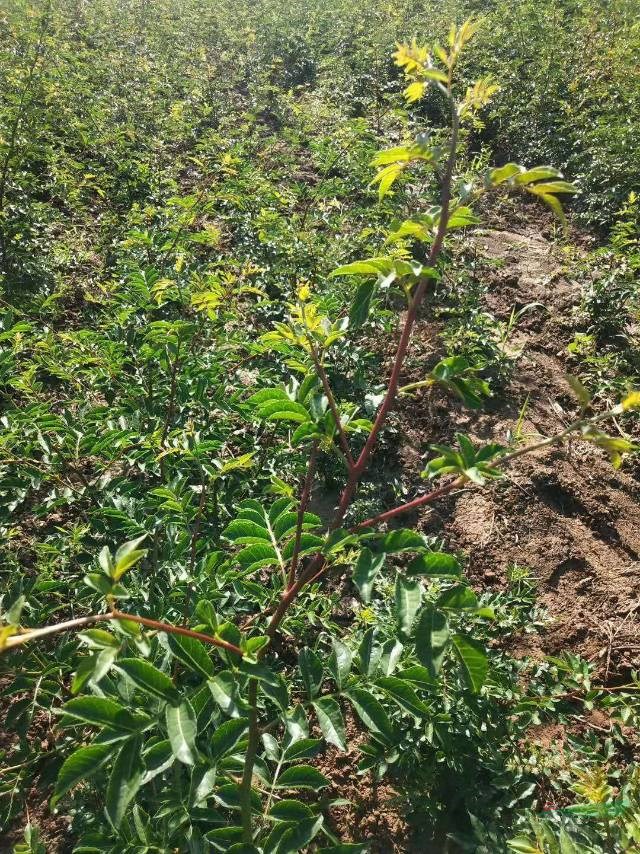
[(331, 721), (125, 780), (80, 766), (473, 660), (181, 729)]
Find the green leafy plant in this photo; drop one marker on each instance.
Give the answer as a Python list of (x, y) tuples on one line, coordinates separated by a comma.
[(199, 440)]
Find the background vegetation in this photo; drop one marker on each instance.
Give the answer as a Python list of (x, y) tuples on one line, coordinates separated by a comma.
[(171, 175)]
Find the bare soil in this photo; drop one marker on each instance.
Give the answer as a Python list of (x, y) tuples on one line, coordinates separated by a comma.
[(564, 513)]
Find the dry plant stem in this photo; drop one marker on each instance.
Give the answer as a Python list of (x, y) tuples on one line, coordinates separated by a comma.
[(249, 762), (17, 640), (304, 501), (324, 379), (77, 623)]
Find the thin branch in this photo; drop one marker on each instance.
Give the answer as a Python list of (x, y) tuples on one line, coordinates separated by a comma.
[(249, 762), (304, 501), (507, 458), (178, 630), (576, 425), (406, 389), (32, 634), (412, 505), (324, 379), (285, 602)]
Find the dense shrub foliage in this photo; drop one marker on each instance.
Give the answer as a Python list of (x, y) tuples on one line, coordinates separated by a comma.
[(212, 217)]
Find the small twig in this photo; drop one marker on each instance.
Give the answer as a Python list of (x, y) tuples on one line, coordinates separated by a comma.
[(178, 630), (324, 379), (196, 525), (507, 458), (32, 634), (412, 505), (304, 501)]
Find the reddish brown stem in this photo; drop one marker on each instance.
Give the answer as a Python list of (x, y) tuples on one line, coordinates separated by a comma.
[(315, 568), (412, 505), (177, 630), (78, 622), (288, 597)]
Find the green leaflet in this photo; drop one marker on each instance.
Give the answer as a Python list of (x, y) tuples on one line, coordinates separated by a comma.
[(80, 766), (290, 810), (371, 267), (361, 304), (101, 711), (432, 639), (275, 405), (227, 735), (306, 748), (224, 690), (473, 659), (127, 556), (246, 532), (331, 721), (401, 540), (296, 838), (182, 730), (157, 759), (408, 598), (148, 678), (125, 780), (192, 653), (435, 565), (365, 571), (340, 661), (458, 598), (268, 534), (256, 556), (369, 652), (370, 712), (311, 670), (403, 694), (302, 777)]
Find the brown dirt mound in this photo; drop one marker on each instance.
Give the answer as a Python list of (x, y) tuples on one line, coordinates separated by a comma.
[(565, 514), (374, 811)]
